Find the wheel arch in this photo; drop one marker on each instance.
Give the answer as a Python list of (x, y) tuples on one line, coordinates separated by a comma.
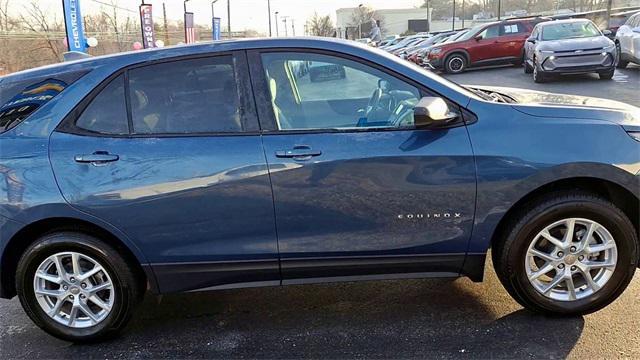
[(616, 193), (22, 239), (464, 52)]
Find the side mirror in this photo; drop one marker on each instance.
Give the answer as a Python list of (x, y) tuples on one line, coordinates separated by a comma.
[(531, 40), (433, 112), (606, 32), (478, 37)]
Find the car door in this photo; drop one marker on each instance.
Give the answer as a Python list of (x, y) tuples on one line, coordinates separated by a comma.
[(511, 41), (358, 190), (169, 152), (486, 46)]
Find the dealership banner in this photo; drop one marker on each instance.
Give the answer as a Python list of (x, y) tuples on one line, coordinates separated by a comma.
[(216, 28), (146, 21), (74, 26), (189, 28)]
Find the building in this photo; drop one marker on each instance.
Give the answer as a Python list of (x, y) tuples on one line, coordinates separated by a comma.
[(393, 21)]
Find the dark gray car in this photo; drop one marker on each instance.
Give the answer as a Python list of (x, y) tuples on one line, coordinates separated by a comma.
[(573, 46)]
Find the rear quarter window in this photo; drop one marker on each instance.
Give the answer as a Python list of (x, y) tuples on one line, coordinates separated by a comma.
[(18, 100)]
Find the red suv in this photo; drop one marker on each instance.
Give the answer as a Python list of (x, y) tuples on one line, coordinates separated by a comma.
[(492, 43)]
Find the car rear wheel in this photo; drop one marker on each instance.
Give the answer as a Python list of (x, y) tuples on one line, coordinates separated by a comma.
[(76, 287), (455, 63), (568, 254)]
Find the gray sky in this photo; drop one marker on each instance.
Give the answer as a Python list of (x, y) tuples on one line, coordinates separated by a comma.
[(245, 14)]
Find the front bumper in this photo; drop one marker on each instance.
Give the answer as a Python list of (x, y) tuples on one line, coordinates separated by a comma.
[(576, 63), (435, 63)]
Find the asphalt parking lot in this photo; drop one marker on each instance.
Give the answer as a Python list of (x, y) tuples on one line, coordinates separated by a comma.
[(393, 319)]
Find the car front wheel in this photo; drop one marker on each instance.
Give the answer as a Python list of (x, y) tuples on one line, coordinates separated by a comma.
[(455, 64), (538, 75), (568, 254), (76, 287), (606, 75)]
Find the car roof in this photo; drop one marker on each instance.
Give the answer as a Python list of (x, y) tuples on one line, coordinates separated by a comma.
[(565, 21)]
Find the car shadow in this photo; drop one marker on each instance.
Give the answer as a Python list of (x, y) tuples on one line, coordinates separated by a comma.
[(388, 319)]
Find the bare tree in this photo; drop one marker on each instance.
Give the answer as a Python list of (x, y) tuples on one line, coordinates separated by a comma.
[(37, 21), (321, 25), (120, 29)]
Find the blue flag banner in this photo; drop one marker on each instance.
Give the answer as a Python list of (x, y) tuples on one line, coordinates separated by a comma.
[(74, 26), (216, 28)]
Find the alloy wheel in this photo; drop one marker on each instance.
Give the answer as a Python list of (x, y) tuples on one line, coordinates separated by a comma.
[(571, 259), (74, 289)]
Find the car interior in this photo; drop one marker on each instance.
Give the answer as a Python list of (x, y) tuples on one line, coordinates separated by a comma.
[(364, 98)]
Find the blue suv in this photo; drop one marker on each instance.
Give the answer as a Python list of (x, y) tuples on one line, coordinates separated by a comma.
[(221, 165)]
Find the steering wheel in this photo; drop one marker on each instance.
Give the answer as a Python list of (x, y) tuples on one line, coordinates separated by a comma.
[(374, 102)]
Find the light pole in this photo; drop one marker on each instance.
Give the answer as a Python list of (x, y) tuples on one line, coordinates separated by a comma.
[(293, 28), (269, 11), (229, 17), (186, 38), (453, 18), (213, 20), (284, 20), (277, 32), (360, 21)]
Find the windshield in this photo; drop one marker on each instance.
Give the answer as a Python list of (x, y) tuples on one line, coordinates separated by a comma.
[(472, 32), (569, 30)]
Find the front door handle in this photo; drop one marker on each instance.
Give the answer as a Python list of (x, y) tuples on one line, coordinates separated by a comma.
[(97, 158), (299, 152)]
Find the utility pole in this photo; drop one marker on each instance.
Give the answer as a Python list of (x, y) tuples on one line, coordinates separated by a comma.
[(229, 17), (609, 3), (277, 32), (463, 14), (269, 11), (166, 27), (499, 8), (293, 28)]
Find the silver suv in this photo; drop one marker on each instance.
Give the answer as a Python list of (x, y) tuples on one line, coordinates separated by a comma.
[(628, 41), (573, 46)]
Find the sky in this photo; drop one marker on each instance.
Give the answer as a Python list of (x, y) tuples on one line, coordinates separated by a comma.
[(245, 14)]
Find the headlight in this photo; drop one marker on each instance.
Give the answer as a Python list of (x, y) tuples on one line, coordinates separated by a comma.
[(634, 134), (546, 51), (435, 51)]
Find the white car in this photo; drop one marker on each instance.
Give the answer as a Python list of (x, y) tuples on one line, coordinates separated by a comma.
[(628, 41)]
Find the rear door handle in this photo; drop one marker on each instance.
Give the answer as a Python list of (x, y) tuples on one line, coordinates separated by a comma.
[(300, 152), (97, 158)]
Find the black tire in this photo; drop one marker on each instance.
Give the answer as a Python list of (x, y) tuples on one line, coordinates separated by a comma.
[(621, 64), (128, 290), (539, 76), (607, 75), (509, 253), (527, 68), (455, 63)]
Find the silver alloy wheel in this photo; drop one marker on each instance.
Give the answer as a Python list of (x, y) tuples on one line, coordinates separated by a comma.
[(74, 289), (456, 64), (571, 259)]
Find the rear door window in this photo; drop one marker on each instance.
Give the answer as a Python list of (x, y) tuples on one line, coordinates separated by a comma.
[(19, 100), (107, 112), (490, 32), (185, 97)]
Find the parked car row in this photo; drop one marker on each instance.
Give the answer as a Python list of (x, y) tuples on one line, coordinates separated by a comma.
[(546, 47)]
